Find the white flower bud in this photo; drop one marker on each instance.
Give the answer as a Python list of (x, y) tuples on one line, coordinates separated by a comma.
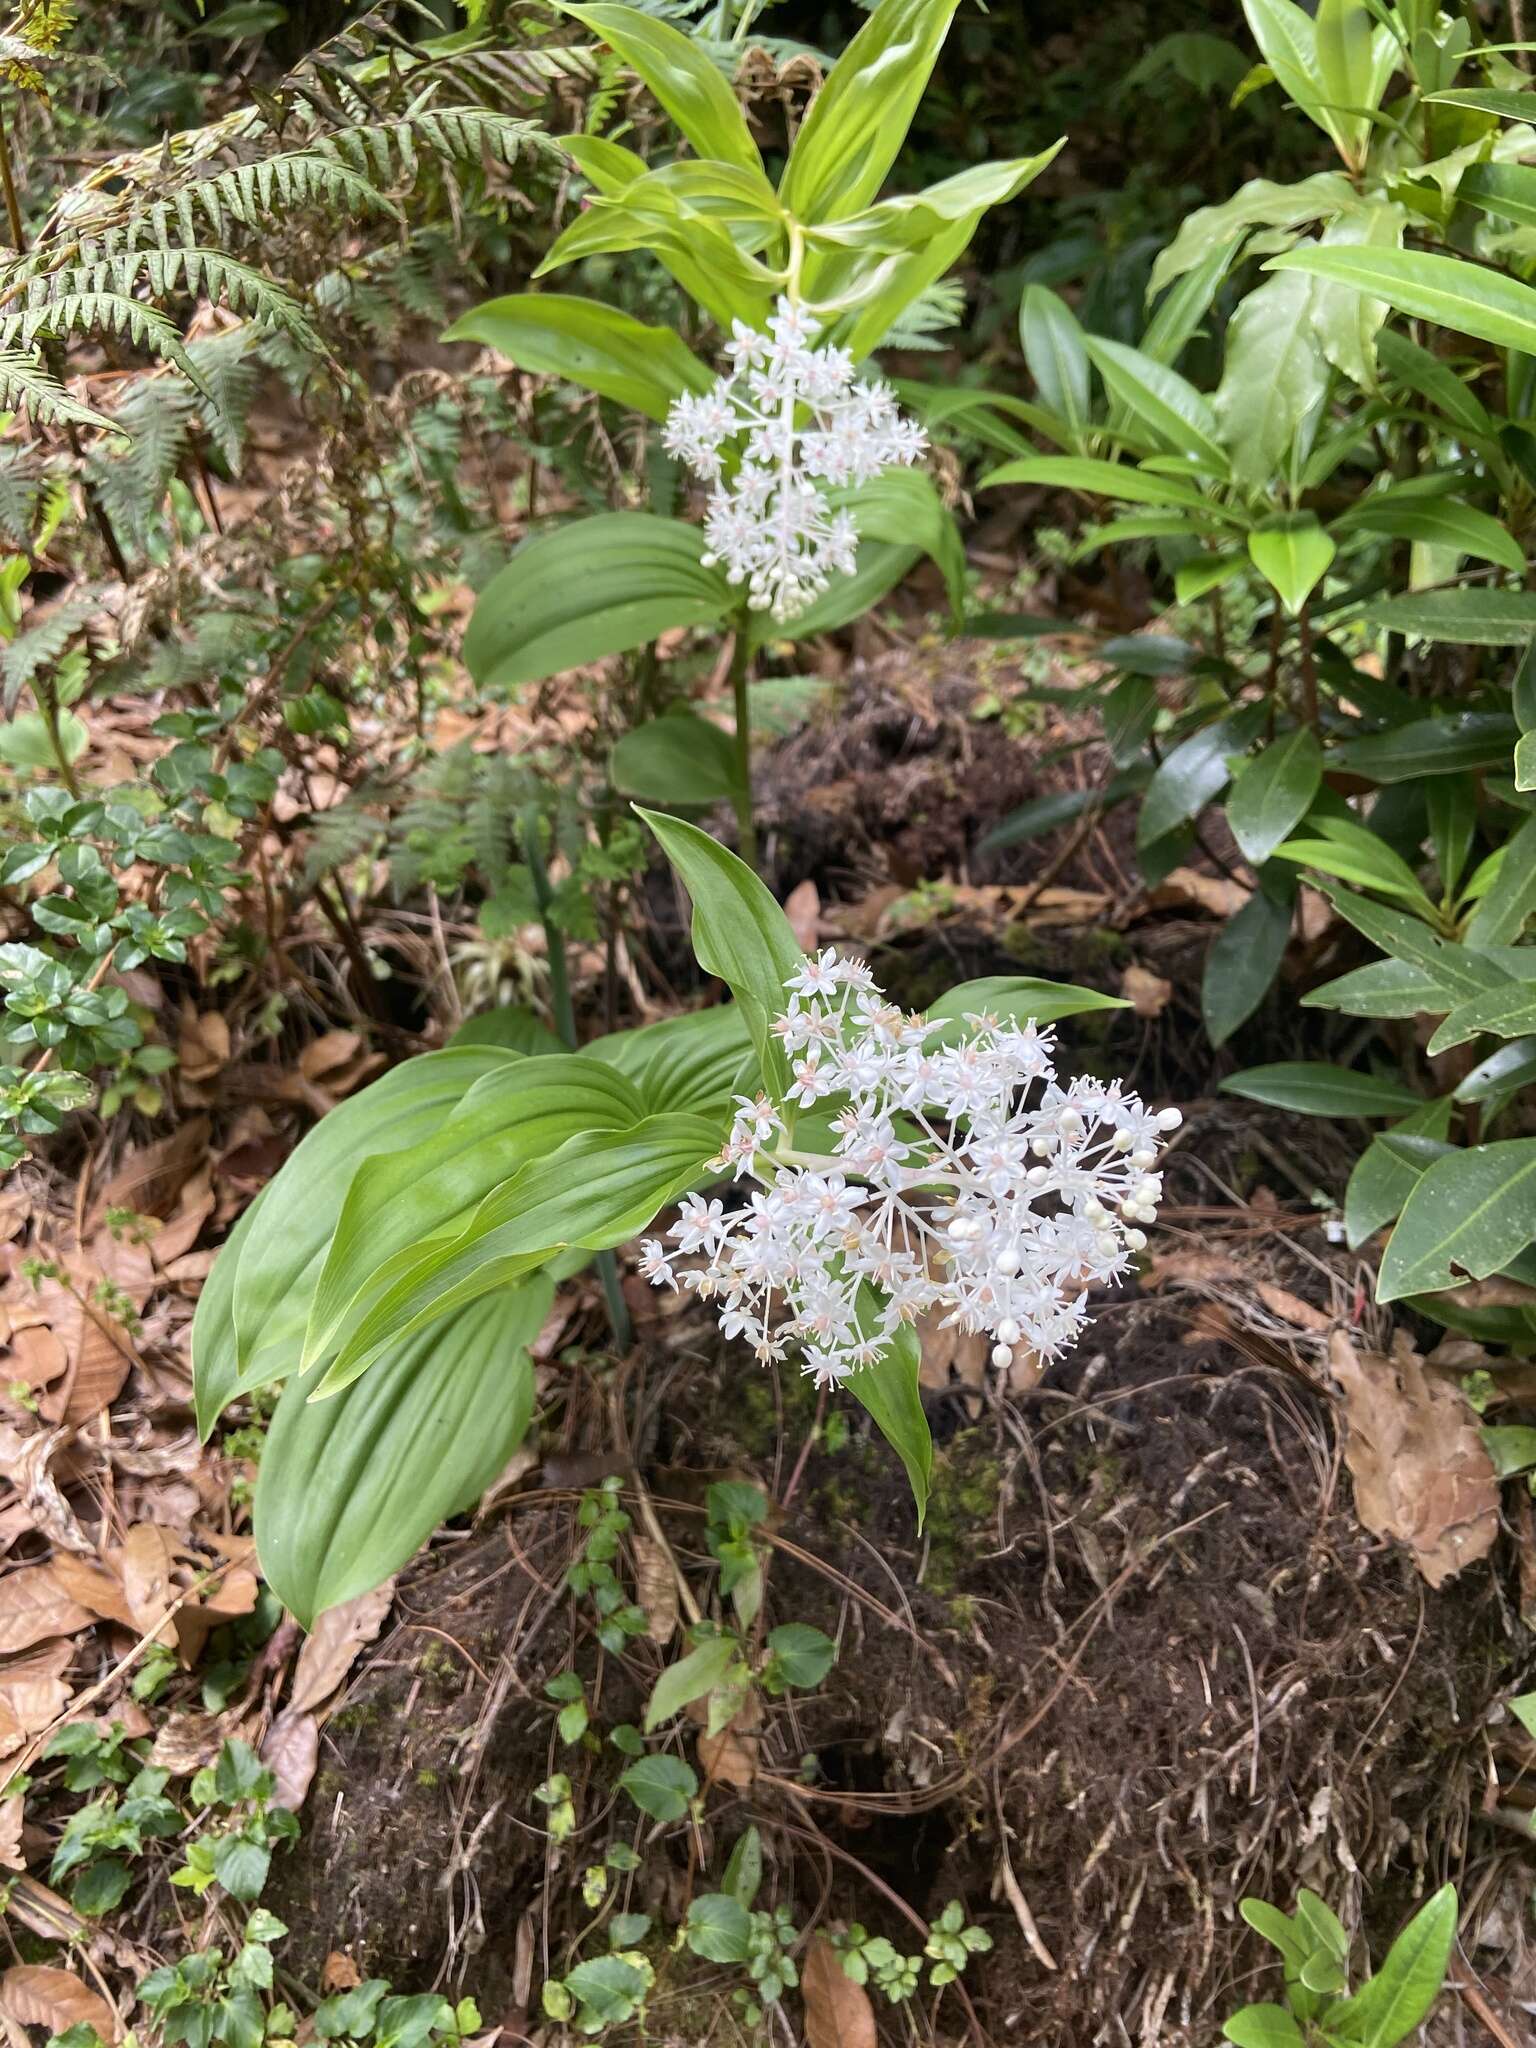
[(1144, 1160), (1008, 1331), (1169, 1119), (1001, 1356)]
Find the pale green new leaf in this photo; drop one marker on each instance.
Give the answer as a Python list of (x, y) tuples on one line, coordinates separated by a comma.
[(1436, 521), (1056, 355), (1274, 380), (607, 351), (1292, 553), (684, 80), (1399, 1996), (1097, 479), (1166, 403), (690, 1678), (1212, 230), (1466, 297)]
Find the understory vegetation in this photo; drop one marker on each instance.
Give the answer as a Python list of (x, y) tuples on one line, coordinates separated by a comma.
[(768, 1089)]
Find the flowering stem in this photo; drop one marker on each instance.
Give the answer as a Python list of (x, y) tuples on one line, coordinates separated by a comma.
[(741, 676)]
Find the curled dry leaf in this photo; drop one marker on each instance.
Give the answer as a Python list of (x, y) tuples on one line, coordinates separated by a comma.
[(32, 1693), (330, 1650), (94, 1588), (655, 1589), (339, 1974), (184, 1743), (1147, 993), (802, 906), (35, 1605), (26, 1462), (1291, 1308), (1415, 1452), (37, 1996), (291, 1752), (147, 1562), (838, 2013), (10, 1833)]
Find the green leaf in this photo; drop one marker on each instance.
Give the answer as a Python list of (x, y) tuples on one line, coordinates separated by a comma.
[(1501, 916), (1507, 191), (739, 933), (1194, 774), (881, 566), (743, 1873), (805, 1655), (690, 1678), (1215, 231), (858, 121), (1457, 970), (679, 760), (719, 1928), (101, 1886), (1056, 353), (596, 1190), (1474, 617), (1432, 379), (595, 587), (1245, 957), (1435, 521), (350, 1488), (1278, 1929), (27, 741), (1466, 297), (660, 1786), (1274, 379), (1506, 104), (249, 1324), (396, 1202), (1045, 813), (1400, 1994), (608, 1989), (1510, 1067), (1428, 746), (241, 1866), (1263, 2026), (1470, 1214), (1019, 997), (1507, 1012), (696, 1063), (903, 509), (512, 1026), (1525, 761), (1387, 988), (1166, 403), (683, 78), (1292, 553), (1511, 1447), (1273, 792), (888, 1390), (619, 357), (1390, 1167), (1097, 479), (1355, 854), (1314, 1088)]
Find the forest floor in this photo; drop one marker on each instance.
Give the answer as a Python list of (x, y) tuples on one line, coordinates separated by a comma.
[(1191, 1618)]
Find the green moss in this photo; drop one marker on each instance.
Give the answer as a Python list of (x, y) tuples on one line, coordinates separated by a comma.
[(428, 1780), (962, 1509)]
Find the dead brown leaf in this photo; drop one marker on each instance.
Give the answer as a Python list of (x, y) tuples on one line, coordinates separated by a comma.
[(1193, 1269), (10, 1833), (37, 1356), (184, 1743), (204, 1048), (1147, 993), (655, 1589), (339, 1974), (330, 1650), (26, 1462), (949, 1356), (802, 906), (93, 1588), (34, 1605), (1291, 1308), (1413, 1447), (147, 1562), (291, 1752), (729, 1758), (1188, 888), (838, 2013), (150, 1179), (38, 1996)]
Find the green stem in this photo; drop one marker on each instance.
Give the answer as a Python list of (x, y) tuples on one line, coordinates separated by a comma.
[(50, 711), (565, 1023), (741, 676)]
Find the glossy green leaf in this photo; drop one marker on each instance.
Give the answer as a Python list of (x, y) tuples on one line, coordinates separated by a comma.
[(739, 933), (512, 1026), (1390, 1167), (683, 78), (596, 587), (1470, 1214), (1457, 970), (1506, 907), (1386, 988), (690, 1678), (719, 1928), (661, 1786), (1314, 1088), (1216, 231), (1361, 858), (1245, 957), (1399, 1996), (1483, 99), (597, 346), (1292, 553), (1435, 380), (1097, 479), (215, 1357), (1056, 355), (1273, 792), (1263, 2026), (881, 566), (394, 1203), (594, 1191), (349, 1489), (1435, 521), (1428, 746), (858, 121), (1166, 403), (1507, 1068), (1469, 617), (1507, 1012), (1512, 1447), (1194, 774), (1060, 806), (1274, 380), (1469, 298), (1018, 998), (680, 760), (696, 1063)]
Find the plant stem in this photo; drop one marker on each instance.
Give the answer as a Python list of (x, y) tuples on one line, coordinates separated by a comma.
[(741, 675), (565, 1023), (12, 204)]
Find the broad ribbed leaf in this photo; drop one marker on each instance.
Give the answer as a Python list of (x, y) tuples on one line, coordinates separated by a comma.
[(1470, 1214), (739, 933), (680, 760), (596, 587), (1475, 617), (889, 1391), (695, 1063), (1018, 998), (351, 1488), (1056, 354), (619, 357), (684, 80), (1313, 1088), (397, 1202)]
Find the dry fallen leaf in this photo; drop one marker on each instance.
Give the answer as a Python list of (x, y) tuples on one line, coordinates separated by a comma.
[(1194, 1269), (949, 1356), (184, 1743), (34, 1605), (1291, 1308), (802, 906), (330, 1650), (1147, 993), (93, 1588), (147, 1562), (339, 1974), (655, 1589), (291, 1752), (1187, 887), (838, 2013), (56, 1999), (10, 1833), (1415, 1452)]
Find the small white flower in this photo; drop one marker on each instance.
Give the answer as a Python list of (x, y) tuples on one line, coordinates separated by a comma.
[(798, 419)]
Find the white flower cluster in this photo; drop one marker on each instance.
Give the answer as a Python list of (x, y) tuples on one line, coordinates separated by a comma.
[(806, 422), (965, 1179)]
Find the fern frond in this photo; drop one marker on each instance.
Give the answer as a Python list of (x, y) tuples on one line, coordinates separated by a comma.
[(40, 646), (55, 316), (26, 386), (226, 363), (156, 415)]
